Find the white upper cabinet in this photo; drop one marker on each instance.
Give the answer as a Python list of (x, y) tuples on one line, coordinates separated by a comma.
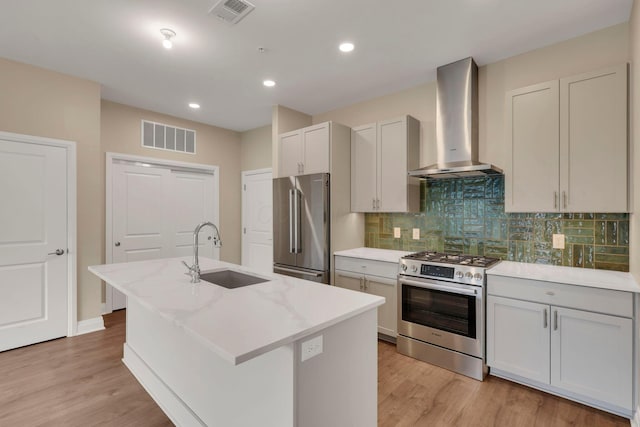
[(533, 125), (381, 155), (364, 176), (304, 151), (593, 141), (567, 144)]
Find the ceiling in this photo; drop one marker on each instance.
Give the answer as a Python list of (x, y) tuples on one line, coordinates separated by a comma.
[(398, 44)]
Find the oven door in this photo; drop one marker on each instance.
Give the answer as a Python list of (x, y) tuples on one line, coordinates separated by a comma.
[(446, 314)]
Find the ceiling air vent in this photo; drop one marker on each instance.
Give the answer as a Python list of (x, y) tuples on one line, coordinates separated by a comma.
[(231, 11)]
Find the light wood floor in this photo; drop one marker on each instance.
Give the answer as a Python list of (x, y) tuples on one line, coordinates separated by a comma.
[(82, 382)]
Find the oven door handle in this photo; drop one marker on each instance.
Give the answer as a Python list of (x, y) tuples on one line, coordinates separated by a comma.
[(453, 290)]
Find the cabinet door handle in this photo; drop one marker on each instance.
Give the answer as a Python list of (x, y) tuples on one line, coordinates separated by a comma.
[(377, 203), (555, 320), (544, 322), (362, 283), (373, 203), (365, 284), (564, 199), (301, 167), (555, 200)]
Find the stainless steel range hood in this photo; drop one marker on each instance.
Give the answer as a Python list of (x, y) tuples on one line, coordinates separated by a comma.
[(457, 124)]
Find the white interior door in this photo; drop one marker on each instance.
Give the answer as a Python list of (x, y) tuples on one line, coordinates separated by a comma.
[(33, 226), (192, 201), (257, 220), (139, 214)]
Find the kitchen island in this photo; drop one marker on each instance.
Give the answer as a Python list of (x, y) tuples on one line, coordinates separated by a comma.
[(284, 352)]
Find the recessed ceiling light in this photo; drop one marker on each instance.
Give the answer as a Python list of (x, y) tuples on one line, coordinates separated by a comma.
[(194, 105), (168, 34), (346, 47), (269, 83)]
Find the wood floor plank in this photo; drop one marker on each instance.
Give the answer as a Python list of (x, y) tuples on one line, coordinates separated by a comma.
[(81, 381), (414, 393)]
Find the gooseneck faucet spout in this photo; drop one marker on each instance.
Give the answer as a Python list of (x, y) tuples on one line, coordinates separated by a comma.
[(194, 270)]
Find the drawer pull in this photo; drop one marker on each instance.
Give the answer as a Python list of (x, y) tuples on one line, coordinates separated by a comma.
[(550, 293)]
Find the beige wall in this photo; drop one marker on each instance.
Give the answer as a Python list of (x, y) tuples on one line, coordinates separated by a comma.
[(634, 101), (120, 133), (255, 148), (35, 101)]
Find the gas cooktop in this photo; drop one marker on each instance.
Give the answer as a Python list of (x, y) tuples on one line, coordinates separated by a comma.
[(456, 259)]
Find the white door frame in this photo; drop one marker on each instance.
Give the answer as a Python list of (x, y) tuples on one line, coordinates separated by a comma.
[(72, 252), (146, 161), (243, 221)]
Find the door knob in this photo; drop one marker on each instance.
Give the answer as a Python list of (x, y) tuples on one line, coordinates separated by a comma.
[(117, 243), (57, 252)]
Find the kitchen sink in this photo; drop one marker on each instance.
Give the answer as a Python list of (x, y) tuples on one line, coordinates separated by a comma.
[(231, 279)]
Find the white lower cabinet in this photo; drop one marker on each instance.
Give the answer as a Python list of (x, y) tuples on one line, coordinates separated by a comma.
[(353, 273), (518, 337), (579, 354), (591, 355)]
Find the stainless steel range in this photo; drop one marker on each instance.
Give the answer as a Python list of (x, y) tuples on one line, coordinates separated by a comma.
[(441, 310)]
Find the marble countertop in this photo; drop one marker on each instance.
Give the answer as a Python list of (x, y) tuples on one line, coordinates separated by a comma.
[(237, 324), (604, 279), (386, 255)]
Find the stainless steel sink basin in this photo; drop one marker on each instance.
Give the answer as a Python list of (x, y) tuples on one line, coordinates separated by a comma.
[(230, 279)]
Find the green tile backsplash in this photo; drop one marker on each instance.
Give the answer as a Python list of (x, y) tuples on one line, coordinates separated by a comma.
[(467, 216)]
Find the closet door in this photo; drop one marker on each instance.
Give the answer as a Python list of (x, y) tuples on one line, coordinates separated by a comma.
[(192, 202), (140, 217), (154, 211)]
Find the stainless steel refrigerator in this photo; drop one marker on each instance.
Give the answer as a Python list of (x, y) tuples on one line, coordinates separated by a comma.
[(301, 226)]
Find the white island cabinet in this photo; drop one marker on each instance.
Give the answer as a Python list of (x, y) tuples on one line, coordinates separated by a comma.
[(284, 352), (568, 331)]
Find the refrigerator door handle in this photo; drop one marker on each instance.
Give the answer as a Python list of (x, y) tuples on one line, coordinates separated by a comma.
[(291, 270), (291, 213), (296, 225)]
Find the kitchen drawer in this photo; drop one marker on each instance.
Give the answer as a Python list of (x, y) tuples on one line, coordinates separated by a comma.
[(367, 266), (605, 301)]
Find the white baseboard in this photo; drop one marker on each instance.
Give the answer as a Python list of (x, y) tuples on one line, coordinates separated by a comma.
[(90, 325), (635, 421), (103, 307)]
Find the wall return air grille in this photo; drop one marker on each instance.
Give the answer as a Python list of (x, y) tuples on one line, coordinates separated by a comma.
[(165, 137)]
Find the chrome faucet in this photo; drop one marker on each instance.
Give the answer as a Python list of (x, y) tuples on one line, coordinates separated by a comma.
[(194, 270)]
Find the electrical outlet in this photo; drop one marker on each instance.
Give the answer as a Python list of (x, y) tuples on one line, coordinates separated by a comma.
[(558, 241), (416, 234), (396, 232), (311, 348)]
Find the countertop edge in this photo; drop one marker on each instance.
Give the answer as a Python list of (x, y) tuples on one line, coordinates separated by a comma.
[(617, 280), (373, 254)]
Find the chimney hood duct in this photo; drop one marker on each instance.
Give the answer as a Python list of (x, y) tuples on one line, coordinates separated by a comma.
[(457, 124)]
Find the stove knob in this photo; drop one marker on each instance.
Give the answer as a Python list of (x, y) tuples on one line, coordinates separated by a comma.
[(414, 268), (477, 276), (468, 275), (459, 274), (404, 267)]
